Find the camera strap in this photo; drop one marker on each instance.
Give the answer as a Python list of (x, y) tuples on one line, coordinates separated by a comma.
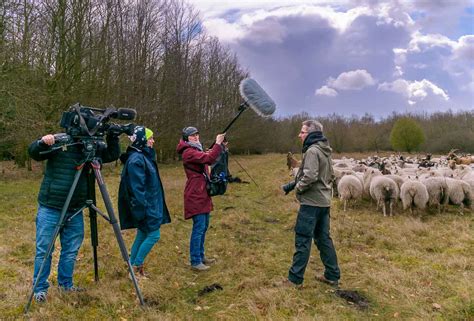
[(83, 124), (203, 172)]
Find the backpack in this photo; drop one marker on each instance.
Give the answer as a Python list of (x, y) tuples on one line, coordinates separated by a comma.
[(216, 182)]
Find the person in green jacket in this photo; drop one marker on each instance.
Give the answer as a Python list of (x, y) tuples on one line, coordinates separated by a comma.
[(313, 191)]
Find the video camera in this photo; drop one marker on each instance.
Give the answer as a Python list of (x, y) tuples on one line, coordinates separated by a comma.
[(87, 122), (87, 126)]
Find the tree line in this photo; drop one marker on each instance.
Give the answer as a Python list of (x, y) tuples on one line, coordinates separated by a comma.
[(154, 56), (151, 55), (441, 132)]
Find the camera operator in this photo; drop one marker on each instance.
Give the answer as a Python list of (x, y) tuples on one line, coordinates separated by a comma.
[(313, 191), (61, 168)]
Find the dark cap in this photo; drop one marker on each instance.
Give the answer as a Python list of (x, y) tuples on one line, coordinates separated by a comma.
[(188, 131)]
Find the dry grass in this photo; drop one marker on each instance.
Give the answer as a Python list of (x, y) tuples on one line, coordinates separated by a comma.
[(410, 268)]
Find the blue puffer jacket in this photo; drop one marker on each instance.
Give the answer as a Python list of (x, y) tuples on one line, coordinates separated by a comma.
[(141, 196)]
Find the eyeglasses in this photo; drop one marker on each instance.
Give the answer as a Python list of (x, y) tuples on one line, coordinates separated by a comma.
[(194, 135)]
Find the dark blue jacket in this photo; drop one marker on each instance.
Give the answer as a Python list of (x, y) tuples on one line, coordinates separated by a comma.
[(61, 168), (141, 200)]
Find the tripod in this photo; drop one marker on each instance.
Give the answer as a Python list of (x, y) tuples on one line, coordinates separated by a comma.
[(93, 165)]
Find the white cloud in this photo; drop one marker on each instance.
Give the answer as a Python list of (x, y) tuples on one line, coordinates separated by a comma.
[(326, 91), (464, 49), (398, 72), (352, 80), (421, 42), (289, 45), (225, 31), (250, 22), (415, 91)]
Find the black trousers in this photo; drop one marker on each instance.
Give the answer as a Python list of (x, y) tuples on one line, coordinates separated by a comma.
[(313, 223)]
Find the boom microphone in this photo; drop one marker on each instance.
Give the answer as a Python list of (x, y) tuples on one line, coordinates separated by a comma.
[(125, 114), (254, 97)]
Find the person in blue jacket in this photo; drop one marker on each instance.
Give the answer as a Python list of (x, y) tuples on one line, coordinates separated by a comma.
[(141, 200)]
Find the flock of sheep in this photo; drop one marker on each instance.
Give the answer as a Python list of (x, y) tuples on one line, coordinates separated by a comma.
[(416, 187), (394, 179)]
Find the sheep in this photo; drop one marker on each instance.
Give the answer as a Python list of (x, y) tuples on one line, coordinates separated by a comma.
[(341, 165), (464, 172), (338, 174), (459, 193), (359, 168), (369, 174), (446, 172), (349, 187), (414, 195), (430, 174), (397, 179), (437, 189), (384, 190)]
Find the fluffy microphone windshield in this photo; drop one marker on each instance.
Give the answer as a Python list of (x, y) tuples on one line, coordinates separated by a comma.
[(256, 97)]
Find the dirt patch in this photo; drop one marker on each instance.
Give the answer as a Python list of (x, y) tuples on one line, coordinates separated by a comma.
[(353, 298), (210, 288)]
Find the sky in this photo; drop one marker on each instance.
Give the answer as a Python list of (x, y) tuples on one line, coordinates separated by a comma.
[(352, 57)]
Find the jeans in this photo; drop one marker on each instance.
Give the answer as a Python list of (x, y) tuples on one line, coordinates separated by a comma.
[(144, 242), (71, 237), (313, 223), (198, 237)]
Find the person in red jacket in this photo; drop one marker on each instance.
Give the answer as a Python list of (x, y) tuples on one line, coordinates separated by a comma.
[(197, 202)]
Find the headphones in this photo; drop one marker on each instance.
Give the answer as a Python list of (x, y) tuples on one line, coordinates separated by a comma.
[(188, 131)]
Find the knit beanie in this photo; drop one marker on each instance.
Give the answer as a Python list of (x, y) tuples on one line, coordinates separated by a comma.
[(140, 136)]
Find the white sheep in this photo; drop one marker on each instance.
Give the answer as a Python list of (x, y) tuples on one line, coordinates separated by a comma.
[(445, 171), (464, 172), (369, 174), (397, 179), (384, 191), (338, 174), (414, 195), (349, 187), (459, 193), (437, 189)]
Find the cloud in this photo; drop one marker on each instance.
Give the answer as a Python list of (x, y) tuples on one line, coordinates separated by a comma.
[(423, 42), (352, 80), (464, 49), (326, 91), (345, 47), (414, 91)]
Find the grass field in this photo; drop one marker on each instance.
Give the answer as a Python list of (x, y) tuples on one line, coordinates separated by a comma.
[(409, 268)]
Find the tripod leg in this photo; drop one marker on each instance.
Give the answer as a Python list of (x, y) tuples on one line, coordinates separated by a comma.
[(114, 222), (58, 228), (93, 222)]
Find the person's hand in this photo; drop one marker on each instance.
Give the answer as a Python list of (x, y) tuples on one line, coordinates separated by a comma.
[(220, 138), (288, 187), (48, 139)]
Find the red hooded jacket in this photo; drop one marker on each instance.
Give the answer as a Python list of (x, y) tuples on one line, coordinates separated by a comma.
[(196, 199)]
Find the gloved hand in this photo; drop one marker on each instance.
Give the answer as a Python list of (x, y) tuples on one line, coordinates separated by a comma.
[(288, 187)]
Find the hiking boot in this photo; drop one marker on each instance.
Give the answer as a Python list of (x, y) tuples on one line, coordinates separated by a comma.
[(72, 289), (139, 272), (323, 279), (199, 267), (208, 260), (40, 297), (288, 284)]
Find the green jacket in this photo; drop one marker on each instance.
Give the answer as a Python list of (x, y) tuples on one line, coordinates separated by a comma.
[(61, 169), (314, 177)]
